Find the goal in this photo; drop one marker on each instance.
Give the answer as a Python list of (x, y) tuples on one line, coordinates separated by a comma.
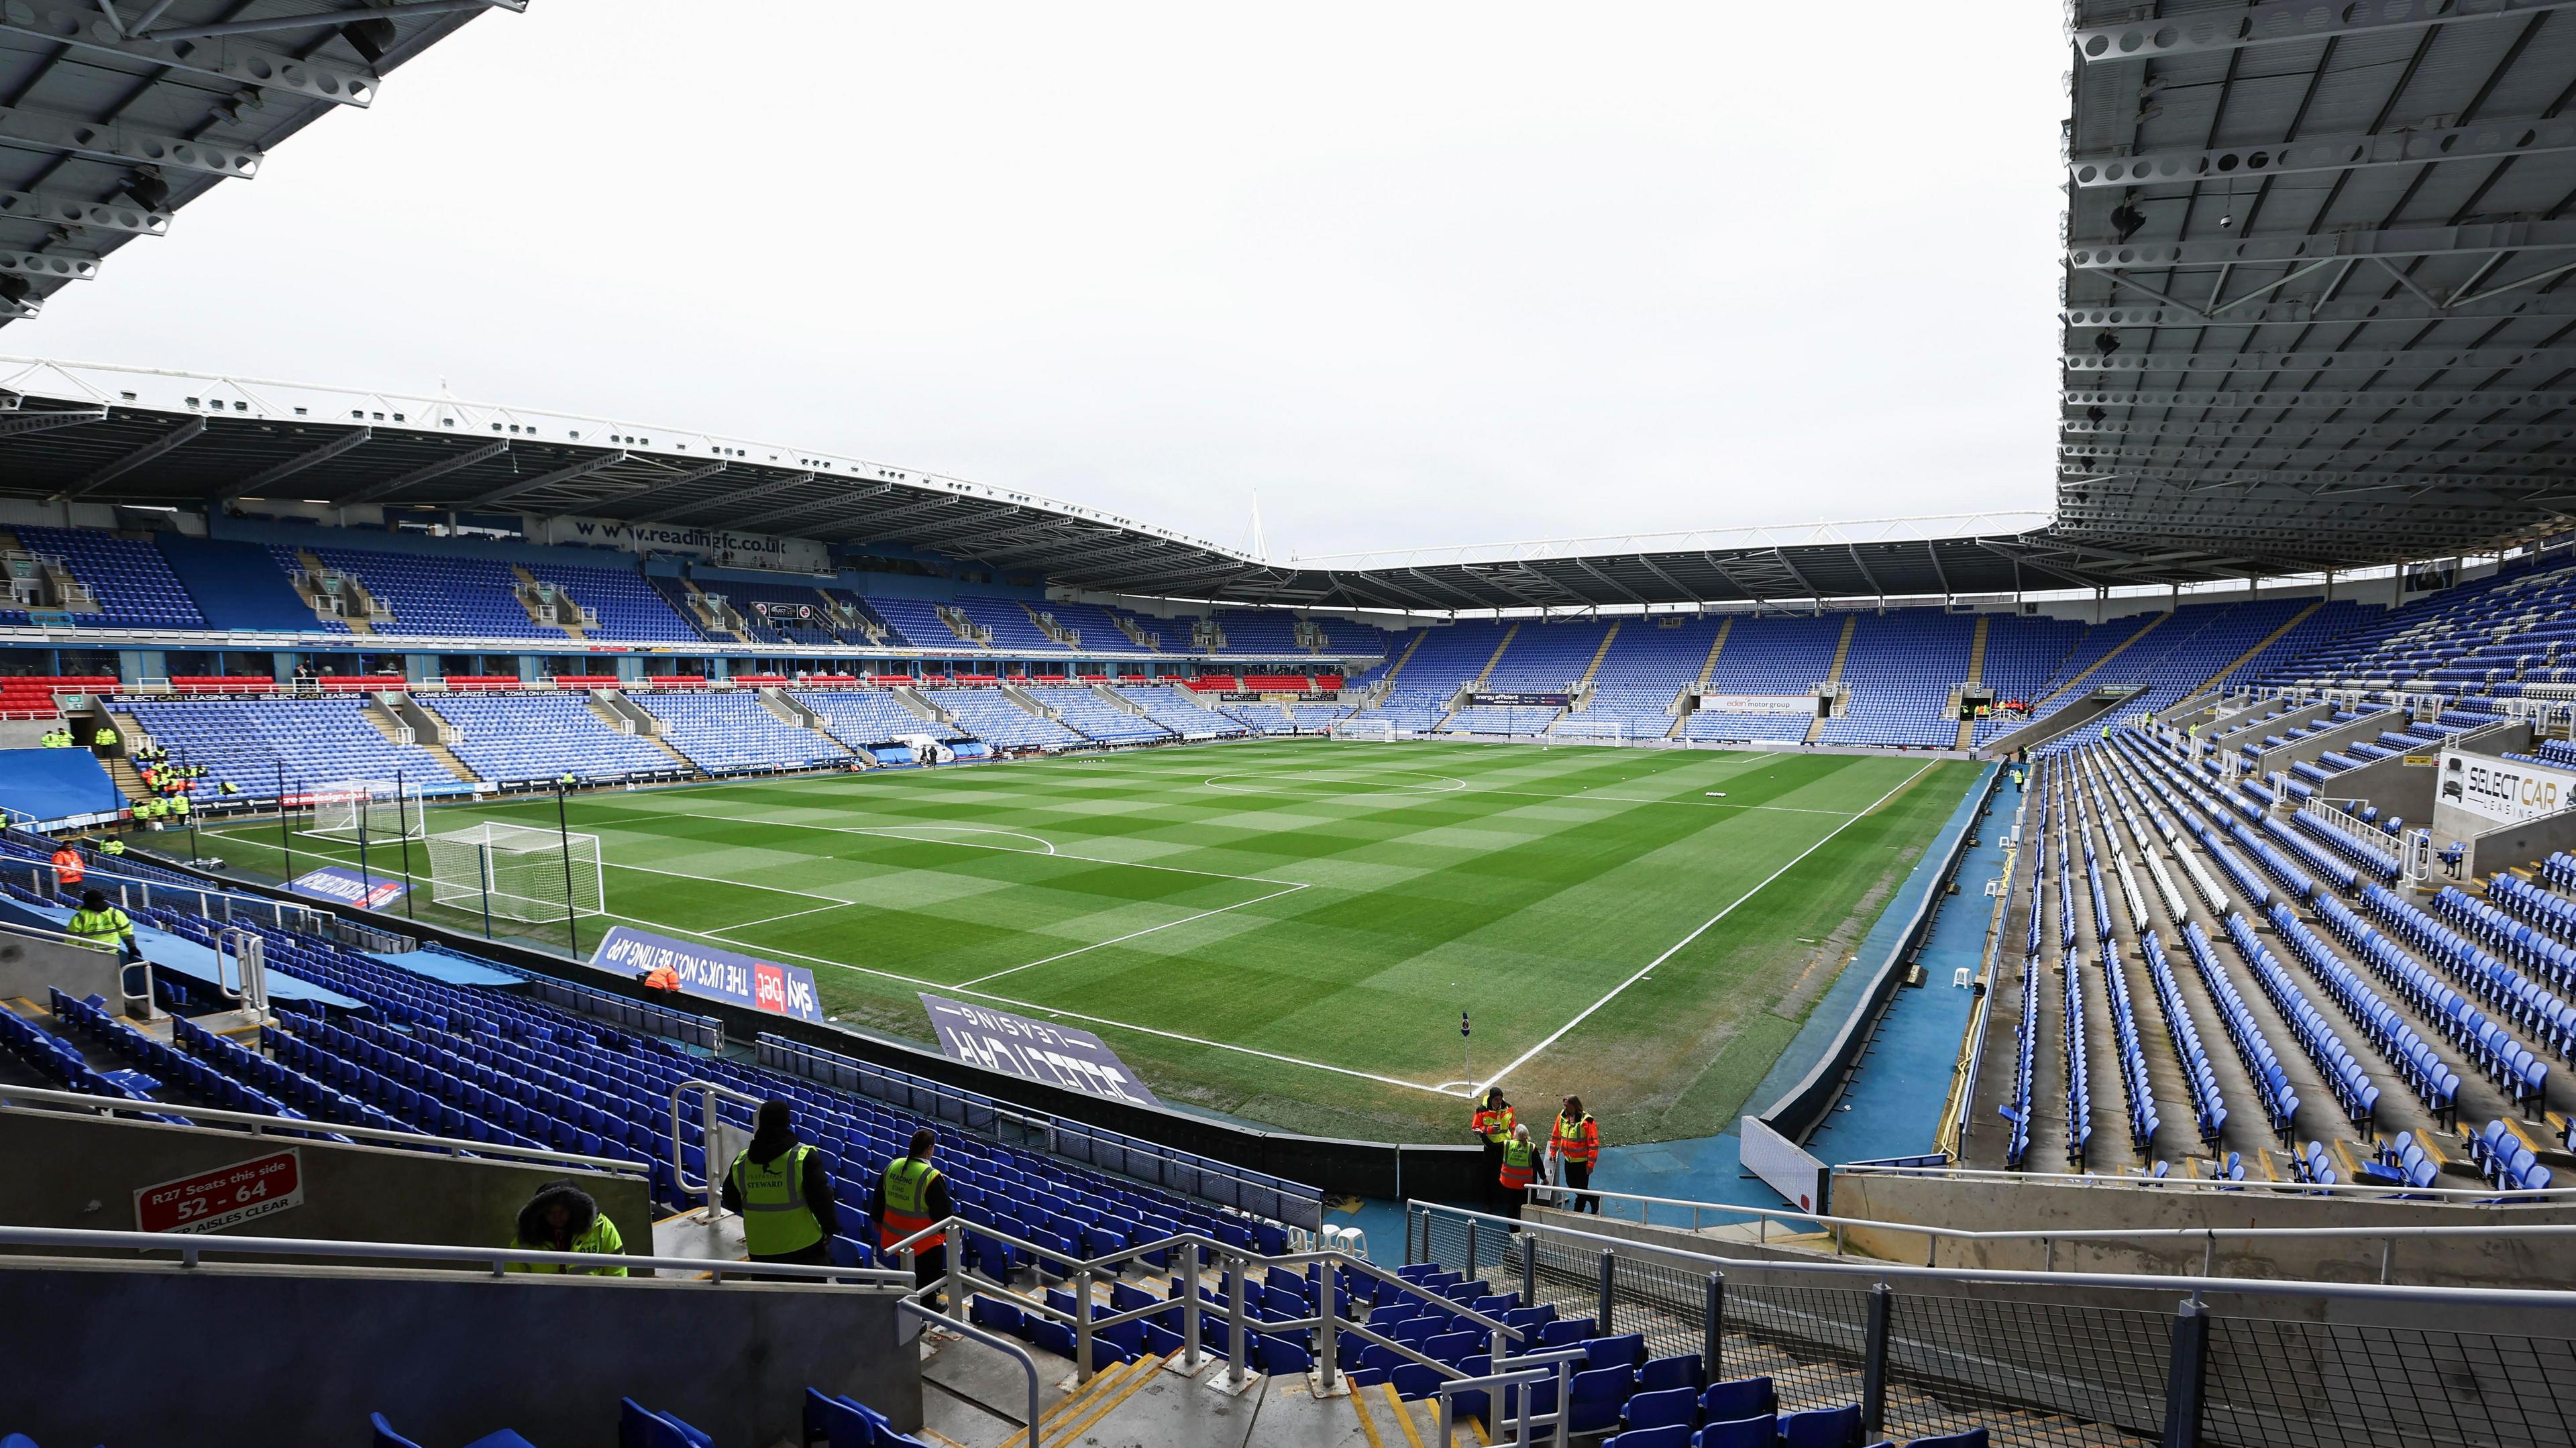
[(516, 872), (1375, 731), (368, 810)]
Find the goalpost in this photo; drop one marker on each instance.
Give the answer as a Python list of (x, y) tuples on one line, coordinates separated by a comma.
[(1374, 731), (368, 809), (516, 872)]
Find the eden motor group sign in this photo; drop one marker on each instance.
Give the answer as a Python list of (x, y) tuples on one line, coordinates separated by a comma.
[(223, 1197), (2504, 790)]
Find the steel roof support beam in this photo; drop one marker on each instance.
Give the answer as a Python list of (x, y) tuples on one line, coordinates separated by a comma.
[(177, 437), (2340, 433), (277, 472), (234, 62), (51, 210), (2427, 400), (417, 476), (700, 475), (2487, 140), (123, 144), (15, 423), (2495, 358), (2305, 312), (524, 486), (319, 19), (2322, 247), (2218, 29)]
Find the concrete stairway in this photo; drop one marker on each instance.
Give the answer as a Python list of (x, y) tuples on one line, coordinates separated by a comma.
[(1699, 686), (1482, 675), (1842, 651), (312, 562), (1976, 675), (528, 586), (2247, 657)]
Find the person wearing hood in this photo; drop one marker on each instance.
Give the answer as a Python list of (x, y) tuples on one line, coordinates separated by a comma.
[(783, 1192), (562, 1217)]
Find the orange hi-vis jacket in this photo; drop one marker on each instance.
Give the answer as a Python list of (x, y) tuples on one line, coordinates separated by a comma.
[(1578, 1141), (68, 862), (1494, 1126)]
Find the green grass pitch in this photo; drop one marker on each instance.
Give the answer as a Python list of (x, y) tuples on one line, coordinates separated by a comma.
[(1286, 931)]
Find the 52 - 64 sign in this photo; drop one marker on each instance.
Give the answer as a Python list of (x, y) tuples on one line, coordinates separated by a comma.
[(223, 1196)]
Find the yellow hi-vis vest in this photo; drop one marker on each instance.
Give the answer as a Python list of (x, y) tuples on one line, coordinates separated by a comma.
[(907, 1204), (775, 1218), (98, 929)]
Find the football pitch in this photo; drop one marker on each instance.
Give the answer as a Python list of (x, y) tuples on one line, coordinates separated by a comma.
[(1287, 931)]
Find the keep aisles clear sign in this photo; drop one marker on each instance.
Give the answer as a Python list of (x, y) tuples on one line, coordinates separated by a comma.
[(1033, 1050), (717, 975)]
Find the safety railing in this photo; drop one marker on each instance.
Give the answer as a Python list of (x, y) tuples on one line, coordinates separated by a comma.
[(1190, 1253), (1927, 1350), (2381, 1191), (1291, 1203), (709, 1092), (1796, 1225), (193, 1248), (246, 982), (258, 1125), (131, 892)]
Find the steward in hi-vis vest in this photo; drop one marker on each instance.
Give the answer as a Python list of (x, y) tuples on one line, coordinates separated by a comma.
[(1493, 1123), (98, 925), (1519, 1169), (783, 1192), (1576, 1141), (914, 1195)]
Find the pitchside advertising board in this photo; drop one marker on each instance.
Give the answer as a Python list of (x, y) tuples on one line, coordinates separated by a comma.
[(1033, 1050), (716, 975), (349, 887), (2504, 790)]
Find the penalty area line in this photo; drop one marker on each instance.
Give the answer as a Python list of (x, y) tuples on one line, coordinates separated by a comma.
[(1648, 968)]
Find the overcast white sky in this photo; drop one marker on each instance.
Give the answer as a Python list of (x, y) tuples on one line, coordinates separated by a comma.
[(1419, 274)]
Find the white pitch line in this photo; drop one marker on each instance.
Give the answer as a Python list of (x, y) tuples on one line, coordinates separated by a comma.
[(792, 914), (879, 832), (1148, 930), (1649, 967)]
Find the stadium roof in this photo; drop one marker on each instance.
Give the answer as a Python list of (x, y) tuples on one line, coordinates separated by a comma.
[(105, 434), (2316, 316), (119, 112), (2316, 300)]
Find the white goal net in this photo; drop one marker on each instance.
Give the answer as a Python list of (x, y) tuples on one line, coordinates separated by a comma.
[(1376, 731), (516, 872), (368, 810)]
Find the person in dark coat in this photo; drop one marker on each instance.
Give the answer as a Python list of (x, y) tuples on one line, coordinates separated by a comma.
[(784, 1192), (562, 1217)]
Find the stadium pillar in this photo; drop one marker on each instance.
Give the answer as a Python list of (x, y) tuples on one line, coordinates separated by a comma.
[(410, 910), (1873, 1368), (2184, 1378), (1712, 1347), (1609, 1286), (1529, 1268), (285, 834), (1081, 1323), (1234, 1320), (1190, 1270)]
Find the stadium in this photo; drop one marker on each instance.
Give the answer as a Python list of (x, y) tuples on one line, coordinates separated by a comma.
[(528, 927)]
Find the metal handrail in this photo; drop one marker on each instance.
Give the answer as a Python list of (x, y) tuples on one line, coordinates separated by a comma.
[(2554, 1300), (1327, 1321), (192, 1247), (263, 1125), (707, 1091), (994, 1340), (1965, 1234), (2366, 1190), (1555, 1364)]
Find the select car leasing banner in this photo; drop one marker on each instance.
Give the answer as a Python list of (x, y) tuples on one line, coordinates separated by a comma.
[(1034, 1050), (717, 975), (2503, 790)]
